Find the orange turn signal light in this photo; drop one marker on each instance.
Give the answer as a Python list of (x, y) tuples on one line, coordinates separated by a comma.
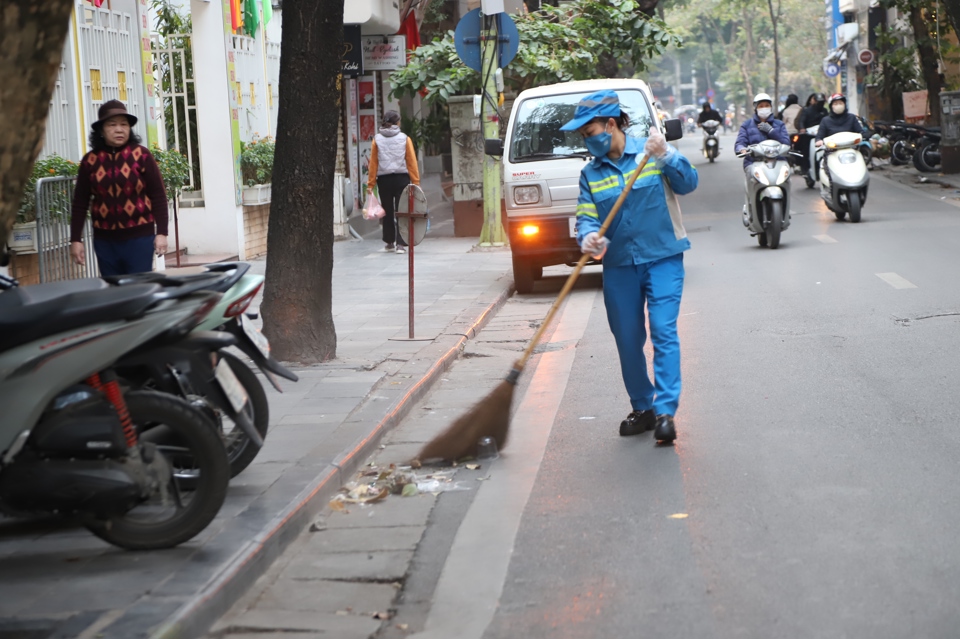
[(530, 230)]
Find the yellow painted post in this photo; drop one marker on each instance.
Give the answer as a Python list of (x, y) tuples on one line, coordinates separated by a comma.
[(493, 233)]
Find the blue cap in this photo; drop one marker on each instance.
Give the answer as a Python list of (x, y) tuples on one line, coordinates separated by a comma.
[(602, 104)]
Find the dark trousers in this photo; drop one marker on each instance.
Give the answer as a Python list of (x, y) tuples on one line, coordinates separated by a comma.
[(390, 187), (124, 257)]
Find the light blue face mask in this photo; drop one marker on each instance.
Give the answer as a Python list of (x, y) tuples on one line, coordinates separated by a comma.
[(598, 145)]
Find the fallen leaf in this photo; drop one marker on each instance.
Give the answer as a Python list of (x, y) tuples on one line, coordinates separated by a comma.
[(415, 463), (472, 466), (402, 626), (410, 490), (382, 615), (337, 506), (342, 613), (679, 516)]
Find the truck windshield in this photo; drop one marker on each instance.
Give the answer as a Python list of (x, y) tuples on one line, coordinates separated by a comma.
[(536, 129)]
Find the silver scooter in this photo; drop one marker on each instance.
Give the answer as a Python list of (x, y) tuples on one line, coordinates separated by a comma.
[(711, 141), (767, 211)]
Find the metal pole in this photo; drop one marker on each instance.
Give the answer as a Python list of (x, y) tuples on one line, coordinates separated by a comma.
[(176, 229), (410, 243), (492, 233)]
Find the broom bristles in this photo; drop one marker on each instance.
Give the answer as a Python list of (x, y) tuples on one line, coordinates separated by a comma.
[(488, 418)]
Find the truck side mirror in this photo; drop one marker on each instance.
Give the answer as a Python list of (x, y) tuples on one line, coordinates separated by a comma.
[(493, 146), (674, 130)]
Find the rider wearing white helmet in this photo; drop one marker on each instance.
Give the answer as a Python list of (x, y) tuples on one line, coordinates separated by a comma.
[(762, 126)]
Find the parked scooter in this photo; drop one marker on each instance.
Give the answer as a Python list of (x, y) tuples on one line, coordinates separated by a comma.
[(844, 178), (73, 442), (926, 156), (711, 141), (767, 211), (243, 418)]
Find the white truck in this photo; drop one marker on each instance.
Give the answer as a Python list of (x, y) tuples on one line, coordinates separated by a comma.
[(541, 169)]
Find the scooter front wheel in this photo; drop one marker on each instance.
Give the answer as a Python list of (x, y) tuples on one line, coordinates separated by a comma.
[(853, 198), (775, 218)]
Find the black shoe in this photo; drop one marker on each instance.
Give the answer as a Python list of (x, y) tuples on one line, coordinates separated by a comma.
[(639, 421), (665, 430)]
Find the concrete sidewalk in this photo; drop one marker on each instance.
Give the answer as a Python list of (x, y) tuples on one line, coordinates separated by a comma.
[(61, 581)]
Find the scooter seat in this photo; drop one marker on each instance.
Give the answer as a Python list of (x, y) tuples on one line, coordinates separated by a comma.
[(28, 313)]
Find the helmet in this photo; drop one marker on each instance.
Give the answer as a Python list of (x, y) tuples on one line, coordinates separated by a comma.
[(820, 97), (837, 97), (761, 97)]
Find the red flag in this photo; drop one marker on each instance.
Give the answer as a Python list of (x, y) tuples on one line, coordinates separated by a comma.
[(236, 15), (410, 29)]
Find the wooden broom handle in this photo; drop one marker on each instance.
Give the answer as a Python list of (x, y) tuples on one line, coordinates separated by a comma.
[(572, 279)]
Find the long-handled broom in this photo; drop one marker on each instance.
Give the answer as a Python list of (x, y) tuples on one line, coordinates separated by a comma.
[(491, 416)]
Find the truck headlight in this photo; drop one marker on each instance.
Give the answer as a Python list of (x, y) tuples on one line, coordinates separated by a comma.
[(526, 194)]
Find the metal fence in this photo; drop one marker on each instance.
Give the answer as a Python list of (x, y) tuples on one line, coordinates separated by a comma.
[(54, 197)]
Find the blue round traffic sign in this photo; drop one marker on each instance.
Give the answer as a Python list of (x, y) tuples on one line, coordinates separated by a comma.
[(832, 70), (467, 39)]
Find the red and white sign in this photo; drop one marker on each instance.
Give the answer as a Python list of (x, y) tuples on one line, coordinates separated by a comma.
[(915, 105), (865, 57)]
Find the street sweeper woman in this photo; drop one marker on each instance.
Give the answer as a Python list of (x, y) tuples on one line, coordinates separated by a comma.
[(642, 253)]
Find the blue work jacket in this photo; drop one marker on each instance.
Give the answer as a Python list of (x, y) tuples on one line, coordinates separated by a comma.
[(648, 226)]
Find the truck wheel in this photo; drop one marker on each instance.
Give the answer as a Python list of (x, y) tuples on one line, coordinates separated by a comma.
[(523, 275)]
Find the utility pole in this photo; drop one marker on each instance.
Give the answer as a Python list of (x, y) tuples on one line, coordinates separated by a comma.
[(492, 233)]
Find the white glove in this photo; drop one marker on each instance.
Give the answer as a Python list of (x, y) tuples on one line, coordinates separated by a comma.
[(595, 245), (656, 146)]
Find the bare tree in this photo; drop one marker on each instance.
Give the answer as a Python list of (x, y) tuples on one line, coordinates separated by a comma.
[(32, 33), (297, 299), (774, 20)]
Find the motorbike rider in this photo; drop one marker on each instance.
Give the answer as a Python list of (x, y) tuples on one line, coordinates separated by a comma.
[(791, 109), (810, 116), (709, 113), (839, 120), (762, 126)]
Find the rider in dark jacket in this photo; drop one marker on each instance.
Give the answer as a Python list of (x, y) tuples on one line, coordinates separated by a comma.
[(813, 113), (709, 113), (839, 120), (762, 126)]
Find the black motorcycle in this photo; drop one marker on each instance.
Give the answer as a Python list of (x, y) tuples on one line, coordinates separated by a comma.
[(926, 156)]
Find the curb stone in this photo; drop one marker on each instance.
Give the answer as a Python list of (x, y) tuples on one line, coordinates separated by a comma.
[(240, 571)]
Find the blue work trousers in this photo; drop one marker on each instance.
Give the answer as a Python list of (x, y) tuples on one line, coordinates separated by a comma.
[(124, 257), (659, 286)]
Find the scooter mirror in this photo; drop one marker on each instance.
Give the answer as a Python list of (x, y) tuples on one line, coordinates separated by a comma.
[(673, 130)]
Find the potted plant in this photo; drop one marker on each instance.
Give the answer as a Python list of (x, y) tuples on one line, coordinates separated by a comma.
[(23, 237), (256, 166), (175, 170)]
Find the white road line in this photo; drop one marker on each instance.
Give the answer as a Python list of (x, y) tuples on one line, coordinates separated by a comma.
[(826, 239), (896, 281), (469, 589)]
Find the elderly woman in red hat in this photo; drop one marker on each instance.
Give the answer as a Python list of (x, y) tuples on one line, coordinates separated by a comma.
[(119, 184)]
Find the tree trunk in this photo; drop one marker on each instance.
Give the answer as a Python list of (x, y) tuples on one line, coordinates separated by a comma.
[(774, 19), (31, 45), (297, 299), (928, 63), (952, 9)]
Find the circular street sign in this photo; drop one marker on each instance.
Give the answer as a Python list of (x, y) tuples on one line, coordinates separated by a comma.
[(865, 56), (466, 38), (710, 93), (419, 209), (831, 70)]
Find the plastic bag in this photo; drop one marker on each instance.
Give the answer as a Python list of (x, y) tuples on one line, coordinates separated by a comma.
[(373, 210)]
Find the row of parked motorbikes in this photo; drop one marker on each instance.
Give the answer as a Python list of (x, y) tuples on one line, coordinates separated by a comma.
[(125, 406)]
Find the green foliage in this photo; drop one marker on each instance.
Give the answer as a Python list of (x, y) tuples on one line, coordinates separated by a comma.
[(427, 132), (175, 170), (557, 44), (256, 161), (53, 166)]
